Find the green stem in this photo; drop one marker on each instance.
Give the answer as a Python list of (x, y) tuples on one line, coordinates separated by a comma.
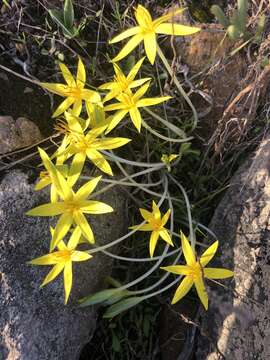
[(178, 85)]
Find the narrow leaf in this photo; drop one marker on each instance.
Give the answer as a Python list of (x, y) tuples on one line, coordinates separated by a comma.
[(122, 306), (68, 14), (102, 296)]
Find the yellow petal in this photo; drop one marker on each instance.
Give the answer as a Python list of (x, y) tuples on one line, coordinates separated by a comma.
[(166, 236), (76, 168), (110, 143), (141, 91), (99, 161), (156, 211), (113, 107), (55, 271), (199, 284), (54, 195), (85, 227), (147, 215), (152, 101), (145, 227), (138, 82), (150, 46), (63, 107), (176, 29), (77, 108), (90, 95), (74, 238), (87, 189), (43, 183), (81, 74), (183, 289), (62, 227), (67, 280), (49, 259), (134, 71), (80, 256), (96, 207), (125, 34), (165, 217), (168, 16), (208, 254), (67, 74), (130, 45), (116, 119), (47, 209), (153, 242), (143, 16), (187, 250), (177, 269), (58, 89), (136, 118), (215, 273)]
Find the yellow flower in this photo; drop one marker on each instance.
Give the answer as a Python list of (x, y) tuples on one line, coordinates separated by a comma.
[(155, 223), (87, 145), (72, 208), (74, 91), (62, 261), (146, 31), (96, 115), (130, 103), (123, 83), (195, 271), (167, 159)]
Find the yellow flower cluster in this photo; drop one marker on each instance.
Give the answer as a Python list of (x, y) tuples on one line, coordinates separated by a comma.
[(86, 139)]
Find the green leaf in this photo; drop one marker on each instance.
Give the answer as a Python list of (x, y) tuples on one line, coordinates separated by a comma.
[(115, 343), (68, 14), (242, 14), (219, 14), (58, 18), (103, 296), (122, 306)]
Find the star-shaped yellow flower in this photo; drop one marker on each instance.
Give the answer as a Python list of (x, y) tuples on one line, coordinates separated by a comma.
[(72, 208), (83, 145), (195, 271), (74, 90), (146, 31), (62, 261), (123, 83), (130, 103), (155, 223)]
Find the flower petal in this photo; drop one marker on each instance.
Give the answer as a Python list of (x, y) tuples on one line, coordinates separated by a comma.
[(67, 74), (153, 242), (62, 227), (134, 71), (67, 279), (200, 287), (115, 120), (63, 106), (147, 215), (47, 209), (187, 250), (55, 271), (177, 269), (81, 221), (208, 254), (110, 143), (166, 236), (145, 227), (76, 168), (58, 89), (150, 46), (87, 189), (142, 15), (77, 107), (74, 238), (125, 34), (136, 118), (138, 82), (130, 45), (141, 91), (113, 107), (80, 256), (96, 207), (81, 74), (156, 211), (152, 101), (49, 259), (183, 289), (216, 273), (99, 161), (168, 16), (165, 217), (176, 29)]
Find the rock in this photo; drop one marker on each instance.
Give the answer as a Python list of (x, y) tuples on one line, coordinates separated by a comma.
[(17, 134), (35, 324), (237, 323)]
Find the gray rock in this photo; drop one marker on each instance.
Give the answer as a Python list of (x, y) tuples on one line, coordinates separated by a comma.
[(237, 324), (34, 323), (17, 134)]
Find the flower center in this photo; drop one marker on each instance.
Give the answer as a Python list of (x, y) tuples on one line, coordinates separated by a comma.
[(71, 206), (156, 224), (196, 271), (63, 255), (74, 92)]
